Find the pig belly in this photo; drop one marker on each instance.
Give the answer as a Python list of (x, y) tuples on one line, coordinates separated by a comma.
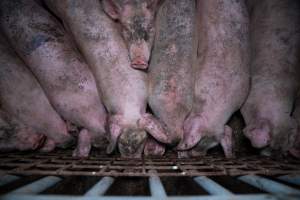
[(275, 41), (60, 69), (221, 75), (170, 70), (23, 98)]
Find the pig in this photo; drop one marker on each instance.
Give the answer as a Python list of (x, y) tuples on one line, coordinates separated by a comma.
[(122, 88), (222, 75), (136, 19), (14, 135), (170, 70), (275, 40), (22, 98), (52, 56)]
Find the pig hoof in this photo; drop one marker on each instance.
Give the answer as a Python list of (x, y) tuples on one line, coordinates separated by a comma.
[(131, 143)]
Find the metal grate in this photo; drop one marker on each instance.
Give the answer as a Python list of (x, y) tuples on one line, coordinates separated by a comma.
[(62, 163), (270, 189)]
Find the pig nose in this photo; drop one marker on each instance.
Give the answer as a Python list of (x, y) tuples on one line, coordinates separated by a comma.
[(139, 63)]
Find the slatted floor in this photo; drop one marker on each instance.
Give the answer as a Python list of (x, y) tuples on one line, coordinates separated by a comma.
[(58, 176), (62, 163)]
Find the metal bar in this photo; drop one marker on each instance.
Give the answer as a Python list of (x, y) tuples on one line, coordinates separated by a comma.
[(7, 178), (214, 197), (269, 185), (37, 186), (294, 179), (156, 188), (101, 187), (211, 186)]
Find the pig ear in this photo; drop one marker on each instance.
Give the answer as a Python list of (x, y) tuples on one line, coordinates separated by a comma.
[(111, 8), (156, 129), (115, 131), (192, 134)]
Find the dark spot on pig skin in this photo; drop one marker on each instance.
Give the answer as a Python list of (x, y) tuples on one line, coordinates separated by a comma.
[(36, 42), (139, 32), (44, 32)]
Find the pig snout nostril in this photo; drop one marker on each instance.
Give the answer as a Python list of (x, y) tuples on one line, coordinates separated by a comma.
[(139, 64)]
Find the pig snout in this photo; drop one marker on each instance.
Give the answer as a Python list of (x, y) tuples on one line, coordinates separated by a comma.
[(139, 54), (131, 143)]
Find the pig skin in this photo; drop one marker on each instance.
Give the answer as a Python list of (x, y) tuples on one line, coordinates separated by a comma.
[(16, 136), (49, 52), (23, 99), (275, 40), (221, 75), (122, 88), (170, 69)]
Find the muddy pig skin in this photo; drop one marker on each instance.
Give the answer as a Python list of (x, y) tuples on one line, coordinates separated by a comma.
[(22, 98), (123, 88), (14, 135), (136, 19), (221, 75), (275, 40), (170, 69), (49, 52)]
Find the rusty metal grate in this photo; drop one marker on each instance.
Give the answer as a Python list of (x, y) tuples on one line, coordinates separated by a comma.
[(62, 163)]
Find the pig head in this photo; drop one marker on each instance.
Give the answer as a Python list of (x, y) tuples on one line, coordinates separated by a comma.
[(137, 19)]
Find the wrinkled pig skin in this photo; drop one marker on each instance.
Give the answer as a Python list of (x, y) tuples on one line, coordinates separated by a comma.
[(15, 136), (136, 18), (275, 40), (69, 84), (22, 97), (221, 75), (170, 69), (295, 149), (123, 89)]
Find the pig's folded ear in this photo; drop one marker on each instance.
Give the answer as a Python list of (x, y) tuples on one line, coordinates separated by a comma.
[(155, 128), (114, 131), (111, 8)]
